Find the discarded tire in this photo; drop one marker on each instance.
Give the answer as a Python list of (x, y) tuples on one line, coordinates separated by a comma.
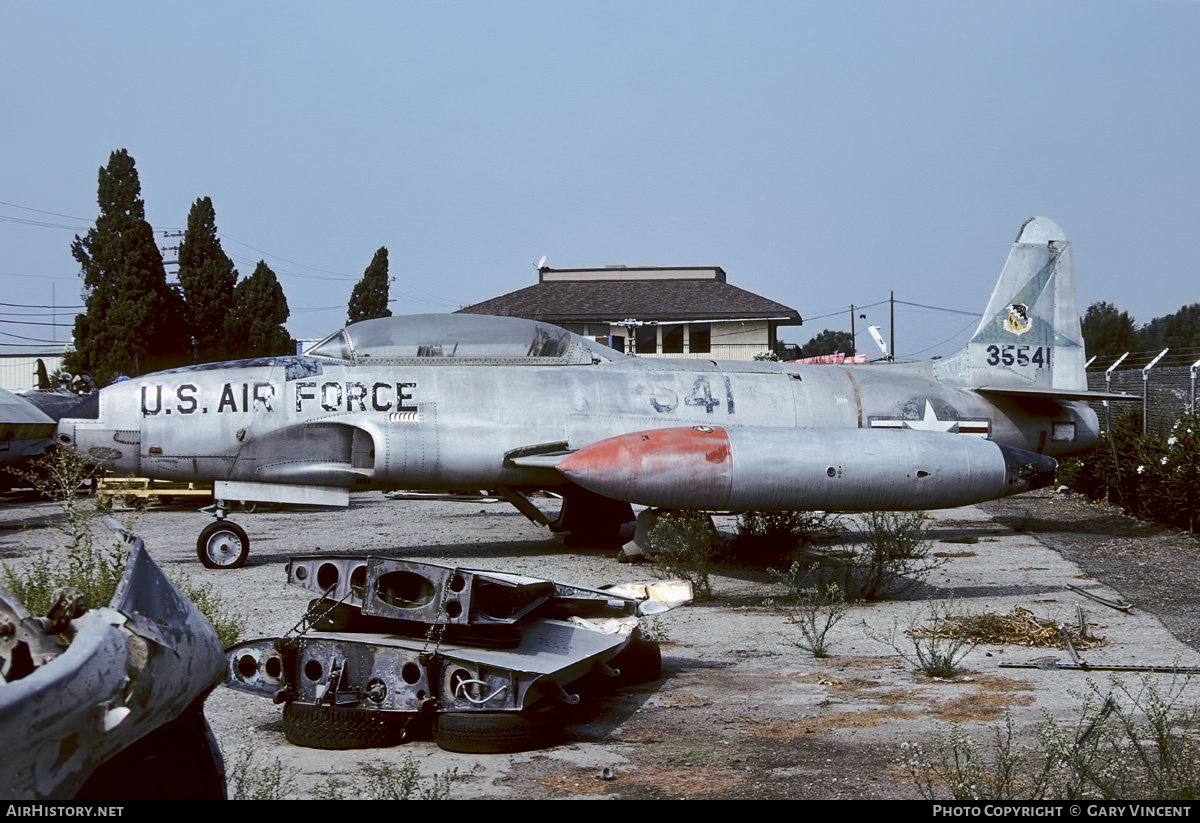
[(341, 727), (497, 732)]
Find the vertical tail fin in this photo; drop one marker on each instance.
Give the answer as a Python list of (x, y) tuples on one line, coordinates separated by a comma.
[(1029, 335)]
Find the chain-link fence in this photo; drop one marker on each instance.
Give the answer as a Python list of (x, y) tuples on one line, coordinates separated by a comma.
[(1166, 382)]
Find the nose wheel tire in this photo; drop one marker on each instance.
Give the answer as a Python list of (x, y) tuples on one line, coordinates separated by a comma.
[(223, 545)]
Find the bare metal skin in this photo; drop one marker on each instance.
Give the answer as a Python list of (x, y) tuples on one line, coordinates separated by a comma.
[(469, 402)]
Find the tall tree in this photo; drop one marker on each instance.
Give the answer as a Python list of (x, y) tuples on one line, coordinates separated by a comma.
[(254, 327), (1107, 331), (370, 296), (1180, 330), (208, 279), (134, 321)]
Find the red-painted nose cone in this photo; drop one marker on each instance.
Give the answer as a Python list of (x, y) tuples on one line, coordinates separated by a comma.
[(678, 467)]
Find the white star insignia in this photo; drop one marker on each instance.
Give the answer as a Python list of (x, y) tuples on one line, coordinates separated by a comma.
[(930, 422)]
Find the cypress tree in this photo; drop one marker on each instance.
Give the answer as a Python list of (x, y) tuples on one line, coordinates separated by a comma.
[(133, 323), (370, 296), (254, 327), (208, 279)]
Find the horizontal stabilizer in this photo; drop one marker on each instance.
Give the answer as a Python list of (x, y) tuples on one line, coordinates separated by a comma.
[(1054, 394)]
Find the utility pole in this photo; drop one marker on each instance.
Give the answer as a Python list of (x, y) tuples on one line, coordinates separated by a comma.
[(892, 326), (175, 249), (853, 343)]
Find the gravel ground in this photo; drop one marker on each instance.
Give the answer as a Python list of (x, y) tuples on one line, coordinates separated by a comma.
[(740, 712)]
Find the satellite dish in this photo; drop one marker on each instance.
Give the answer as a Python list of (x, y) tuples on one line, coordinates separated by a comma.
[(874, 330), (541, 264)]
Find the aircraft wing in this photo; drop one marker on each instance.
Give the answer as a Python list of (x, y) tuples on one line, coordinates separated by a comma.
[(22, 420), (1019, 392), (545, 460)]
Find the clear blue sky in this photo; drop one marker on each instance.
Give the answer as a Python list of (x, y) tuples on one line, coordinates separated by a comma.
[(822, 153)]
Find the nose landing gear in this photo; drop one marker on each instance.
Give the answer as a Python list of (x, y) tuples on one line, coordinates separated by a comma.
[(222, 545)]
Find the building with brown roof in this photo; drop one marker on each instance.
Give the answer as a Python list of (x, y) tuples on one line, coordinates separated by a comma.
[(651, 311)]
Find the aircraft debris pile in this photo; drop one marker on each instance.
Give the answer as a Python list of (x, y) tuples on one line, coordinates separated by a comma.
[(119, 713), (483, 661)]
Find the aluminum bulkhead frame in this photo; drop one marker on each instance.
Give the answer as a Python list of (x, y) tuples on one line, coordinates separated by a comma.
[(391, 673), (432, 593)]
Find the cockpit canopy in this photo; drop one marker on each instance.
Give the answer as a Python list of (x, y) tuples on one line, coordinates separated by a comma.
[(461, 339)]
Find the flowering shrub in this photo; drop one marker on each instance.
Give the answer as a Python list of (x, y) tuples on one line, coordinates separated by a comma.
[(1153, 477)]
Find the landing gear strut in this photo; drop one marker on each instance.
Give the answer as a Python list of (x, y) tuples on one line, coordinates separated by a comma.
[(592, 520)]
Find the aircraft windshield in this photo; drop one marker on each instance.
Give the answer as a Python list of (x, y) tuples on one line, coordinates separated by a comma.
[(457, 337)]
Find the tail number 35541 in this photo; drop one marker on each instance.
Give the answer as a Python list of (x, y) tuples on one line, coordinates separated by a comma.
[(1021, 355)]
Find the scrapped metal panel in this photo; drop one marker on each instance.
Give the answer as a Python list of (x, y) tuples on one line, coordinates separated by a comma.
[(131, 668)]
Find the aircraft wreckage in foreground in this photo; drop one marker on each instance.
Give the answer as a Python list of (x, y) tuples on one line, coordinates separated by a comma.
[(472, 402), (118, 714), (480, 660)]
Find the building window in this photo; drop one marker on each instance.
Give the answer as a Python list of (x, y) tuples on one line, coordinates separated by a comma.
[(646, 339), (699, 338), (672, 338)]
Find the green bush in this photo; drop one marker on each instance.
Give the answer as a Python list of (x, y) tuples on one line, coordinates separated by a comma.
[(253, 779), (1151, 476), (890, 557), (782, 531), (90, 556), (685, 544), (962, 769)]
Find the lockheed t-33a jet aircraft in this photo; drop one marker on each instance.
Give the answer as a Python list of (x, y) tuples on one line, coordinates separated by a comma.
[(440, 402)]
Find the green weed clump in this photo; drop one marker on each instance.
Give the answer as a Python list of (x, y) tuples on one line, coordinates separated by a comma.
[(229, 625), (890, 556), (253, 779), (89, 555), (1130, 742), (811, 610), (782, 531), (685, 544), (930, 638), (382, 782)]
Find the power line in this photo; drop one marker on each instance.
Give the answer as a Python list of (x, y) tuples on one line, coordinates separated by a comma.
[(37, 323), (34, 339), (21, 222), (941, 308), (42, 211), (34, 306), (944, 342)]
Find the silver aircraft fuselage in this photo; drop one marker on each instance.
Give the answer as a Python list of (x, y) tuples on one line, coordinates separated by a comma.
[(472, 402), (308, 421)]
